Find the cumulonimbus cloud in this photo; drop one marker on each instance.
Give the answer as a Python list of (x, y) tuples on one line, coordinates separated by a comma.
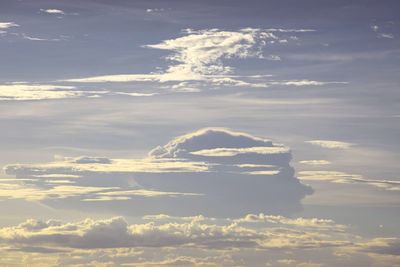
[(209, 171)]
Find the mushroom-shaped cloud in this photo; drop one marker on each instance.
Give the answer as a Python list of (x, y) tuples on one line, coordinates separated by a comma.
[(246, 173), (212, 171)]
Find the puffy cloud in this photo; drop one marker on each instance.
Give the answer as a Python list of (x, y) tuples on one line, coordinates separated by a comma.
[(330, 144), (199, 55), (200, 52), (117, 233), (163, 240), (207, 139), (213, 169), (315, 223)]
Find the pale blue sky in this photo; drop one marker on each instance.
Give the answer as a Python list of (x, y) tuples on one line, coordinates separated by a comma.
[(89, 88)]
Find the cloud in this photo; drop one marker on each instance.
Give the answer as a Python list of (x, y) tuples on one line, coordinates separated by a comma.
[(117, 233), (7, 25), (200, 52), (386, 35), (136, 94), (152, 10), (199, 55), (23, 91), (207, 138), (32, 91), (193, 241), (375, 28), (315, 162), (330, 144), (305, 83), (87, 160), (213, 169), (31, 38), (53, 11), (347, 178), (378, 30), (198, 60), (383, 245), (315, 223)]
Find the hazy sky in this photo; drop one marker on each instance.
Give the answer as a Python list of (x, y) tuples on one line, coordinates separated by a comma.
[(199, 133)]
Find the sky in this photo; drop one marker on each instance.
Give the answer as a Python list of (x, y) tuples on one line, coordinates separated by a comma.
[(199, 133)]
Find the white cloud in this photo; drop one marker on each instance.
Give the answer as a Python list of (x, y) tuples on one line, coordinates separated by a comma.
[(315, 162), (136, 94), (23, 91), (53, 11), (330, 144), (152, 10), (347, 178), (7, 25), (228, 152), (208, 138), (386, 35), (200, 56), (32, 193), (375, 28), (305, 83), (85, 193), (117, 233), (381, 34), (33, 91), (315, 223), (32, 38), (200, 52)]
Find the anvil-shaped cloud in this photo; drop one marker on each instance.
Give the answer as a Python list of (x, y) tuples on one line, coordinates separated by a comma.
[(210, 171)]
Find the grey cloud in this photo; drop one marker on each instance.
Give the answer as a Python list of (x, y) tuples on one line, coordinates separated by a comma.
[(348, 178), (87, 160), (386, 246), (209, 171)]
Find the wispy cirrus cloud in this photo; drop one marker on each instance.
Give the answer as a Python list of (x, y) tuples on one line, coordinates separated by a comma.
[(22, 91), (26, 91), (330, 144), (315, 162), (348, 178)]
